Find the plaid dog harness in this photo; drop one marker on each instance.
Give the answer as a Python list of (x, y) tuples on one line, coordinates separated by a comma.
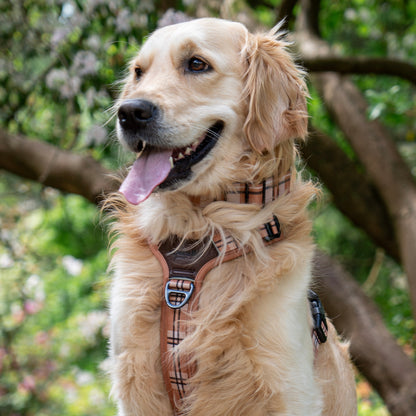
[(185, 264)]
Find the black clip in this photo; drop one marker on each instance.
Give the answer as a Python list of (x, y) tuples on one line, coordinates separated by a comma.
[(272, 235), (320, 326)]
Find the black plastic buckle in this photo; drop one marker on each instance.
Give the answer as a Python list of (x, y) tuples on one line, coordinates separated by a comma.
[(185, 293), (320, 326), (272, 235)]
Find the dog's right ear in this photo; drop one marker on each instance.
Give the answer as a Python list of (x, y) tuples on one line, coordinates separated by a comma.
[(275, 92)]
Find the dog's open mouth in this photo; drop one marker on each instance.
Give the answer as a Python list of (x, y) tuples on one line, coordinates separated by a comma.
[(166, 168)]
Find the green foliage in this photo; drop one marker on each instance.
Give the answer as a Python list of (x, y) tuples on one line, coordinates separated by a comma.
[(53, 322), (378, 28)]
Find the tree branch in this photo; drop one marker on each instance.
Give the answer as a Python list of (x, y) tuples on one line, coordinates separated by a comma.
[(285, 11), (374, 350), (361, 65), (51, 166), (308, 19), (352, 192)]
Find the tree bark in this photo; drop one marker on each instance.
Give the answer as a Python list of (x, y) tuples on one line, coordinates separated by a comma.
[(351, 190), (374, 350), (361, 65), (285, 11), (51, 166), (382, 161)]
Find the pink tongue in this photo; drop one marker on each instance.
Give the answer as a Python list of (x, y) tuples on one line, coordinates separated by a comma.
[(147, 172)]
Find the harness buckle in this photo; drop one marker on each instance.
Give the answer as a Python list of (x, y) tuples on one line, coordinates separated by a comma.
[(178, 296), (320, 326), (273, 229)]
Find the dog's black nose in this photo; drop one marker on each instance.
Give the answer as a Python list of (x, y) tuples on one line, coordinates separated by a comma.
[(136, 114)]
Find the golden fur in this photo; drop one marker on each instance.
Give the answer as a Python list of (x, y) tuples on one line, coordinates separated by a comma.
[(252, 333)]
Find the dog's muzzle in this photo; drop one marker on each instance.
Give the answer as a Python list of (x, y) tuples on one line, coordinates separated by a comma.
[(160, 165)]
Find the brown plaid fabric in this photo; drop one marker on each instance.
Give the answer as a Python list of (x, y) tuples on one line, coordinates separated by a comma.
[(246, 193), (183, 277), (228, 242), (177, 375), (174, 329), (259, 194)]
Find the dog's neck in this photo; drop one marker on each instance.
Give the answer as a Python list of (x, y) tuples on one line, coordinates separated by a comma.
[(248, 193)]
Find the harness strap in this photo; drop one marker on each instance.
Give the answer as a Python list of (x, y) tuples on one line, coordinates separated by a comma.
[(184, 269), (185, 265)]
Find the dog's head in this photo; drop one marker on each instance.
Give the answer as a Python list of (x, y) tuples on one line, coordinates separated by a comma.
[(204, 101)]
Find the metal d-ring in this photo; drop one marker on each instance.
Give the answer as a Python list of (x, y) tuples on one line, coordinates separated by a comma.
[(186, 293)]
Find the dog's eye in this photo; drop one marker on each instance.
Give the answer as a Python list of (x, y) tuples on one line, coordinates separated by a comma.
[(138, 71), (197, 65)]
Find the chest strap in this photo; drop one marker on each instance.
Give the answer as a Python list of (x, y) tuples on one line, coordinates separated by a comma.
[(185, 265)]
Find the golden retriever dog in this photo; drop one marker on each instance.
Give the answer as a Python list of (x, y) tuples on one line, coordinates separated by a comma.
[(213, 112)]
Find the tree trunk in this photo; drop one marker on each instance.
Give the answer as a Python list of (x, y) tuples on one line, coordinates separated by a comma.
[(374, 350), (382, 161), (351, 190)]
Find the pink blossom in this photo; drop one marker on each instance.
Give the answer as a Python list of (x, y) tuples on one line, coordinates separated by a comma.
[(32, 307), (28, 384), (42, 337)]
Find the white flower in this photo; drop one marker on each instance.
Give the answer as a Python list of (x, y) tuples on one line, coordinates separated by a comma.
[(123, 20), (68, 10), (85, 63), (91, 324), (172, 17), (350, 14), (56, 78), (96, 135), (60, 79), (84, 378), (34, 288), (6, 261), (72, 265), (71, 88), (146, 6), (94, 42), (59, 35)]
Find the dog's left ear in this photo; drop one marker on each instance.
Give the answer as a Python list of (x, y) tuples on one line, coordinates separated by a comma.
[(276, 93)]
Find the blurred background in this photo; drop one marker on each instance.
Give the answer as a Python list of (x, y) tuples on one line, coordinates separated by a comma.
[(59, 65)]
